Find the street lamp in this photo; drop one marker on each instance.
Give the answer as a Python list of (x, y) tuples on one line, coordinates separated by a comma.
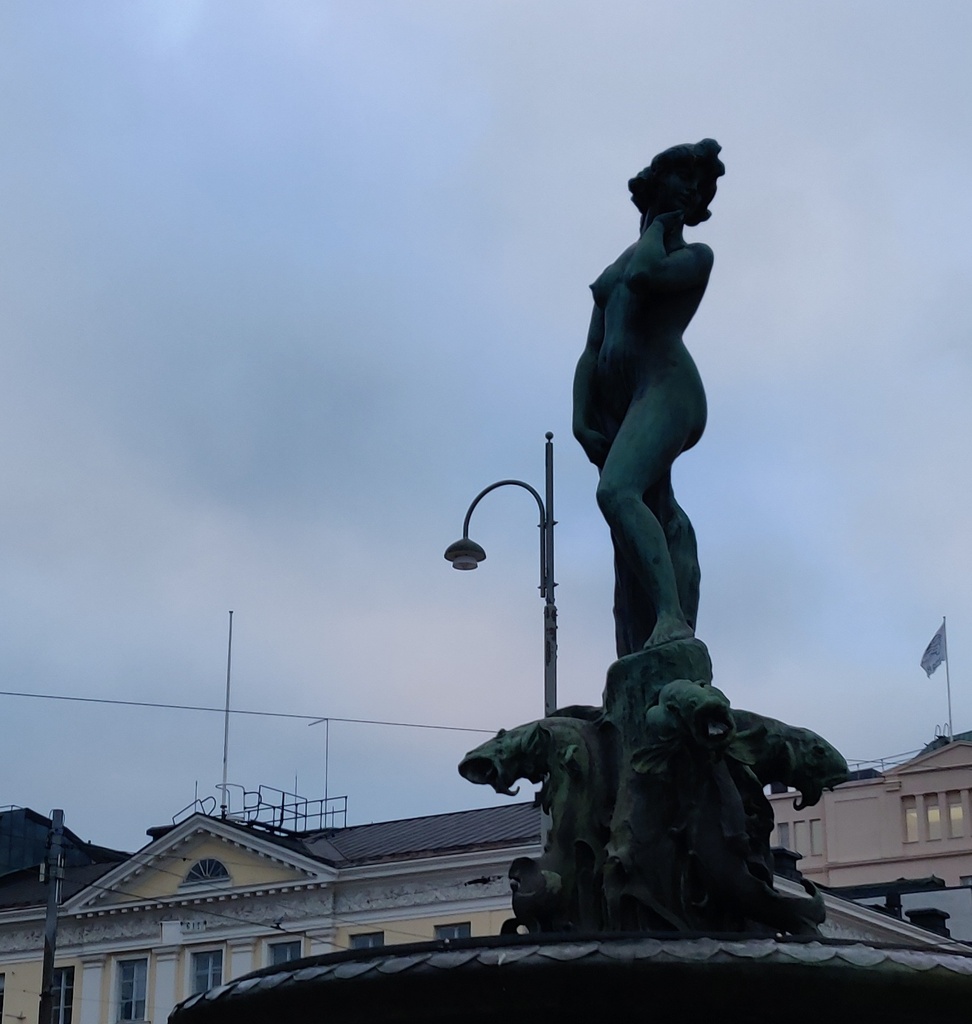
[(467, 554)]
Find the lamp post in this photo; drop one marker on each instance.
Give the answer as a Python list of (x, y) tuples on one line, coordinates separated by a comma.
[(467, 554)]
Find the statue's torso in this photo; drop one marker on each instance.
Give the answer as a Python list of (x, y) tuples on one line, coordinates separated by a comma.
[(642, 347)]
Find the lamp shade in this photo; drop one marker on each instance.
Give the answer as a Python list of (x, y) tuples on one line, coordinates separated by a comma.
[(464, 554)]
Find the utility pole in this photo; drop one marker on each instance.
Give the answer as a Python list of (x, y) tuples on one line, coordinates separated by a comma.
[(52, 873)]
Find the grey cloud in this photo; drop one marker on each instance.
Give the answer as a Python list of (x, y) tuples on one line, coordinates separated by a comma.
[(281, 290)]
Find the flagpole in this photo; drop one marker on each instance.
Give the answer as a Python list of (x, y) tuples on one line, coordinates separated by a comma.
[(948, 682)]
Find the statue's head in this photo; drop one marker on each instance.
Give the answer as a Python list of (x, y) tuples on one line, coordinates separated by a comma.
[(681, 178)]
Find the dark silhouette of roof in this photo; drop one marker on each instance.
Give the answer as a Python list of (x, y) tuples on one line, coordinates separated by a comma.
[(861, 774), (25, 889), (408, 838), (943, 741), (23, 843), (437, 833)]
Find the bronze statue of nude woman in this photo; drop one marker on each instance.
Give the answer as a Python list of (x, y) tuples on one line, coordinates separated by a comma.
[(638, 397)]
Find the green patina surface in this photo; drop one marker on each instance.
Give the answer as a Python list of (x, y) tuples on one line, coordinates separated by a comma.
[(658, 818)]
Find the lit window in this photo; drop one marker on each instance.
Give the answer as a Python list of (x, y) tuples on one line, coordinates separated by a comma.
[(132, 984), (367, 940), (956, 819), (816, 837), (461, 930), (910, 811), (207, 970), (783, 834), (62, 996), (933, 817), (207, 870), (284, 952)]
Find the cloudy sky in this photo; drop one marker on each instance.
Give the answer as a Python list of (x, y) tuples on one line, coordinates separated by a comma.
[(283, 285)]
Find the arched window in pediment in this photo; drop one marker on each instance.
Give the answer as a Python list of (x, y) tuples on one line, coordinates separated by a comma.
[(207, 870)]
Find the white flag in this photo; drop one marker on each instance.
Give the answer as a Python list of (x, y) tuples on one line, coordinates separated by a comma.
[(936, 652)]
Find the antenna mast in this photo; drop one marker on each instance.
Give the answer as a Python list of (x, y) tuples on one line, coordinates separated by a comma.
[(226, 714)]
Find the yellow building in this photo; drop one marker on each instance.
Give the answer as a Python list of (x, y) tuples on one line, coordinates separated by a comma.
[(210, 899)]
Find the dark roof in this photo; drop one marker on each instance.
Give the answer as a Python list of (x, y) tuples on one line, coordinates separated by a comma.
[(870, 890), (25, 889), (24, 835), (860, 774), (943, 741), (357, 844), (481, 828), (437, 833)]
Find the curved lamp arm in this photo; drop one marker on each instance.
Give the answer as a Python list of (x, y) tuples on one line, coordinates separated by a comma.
[(467, 554), (474, 554)]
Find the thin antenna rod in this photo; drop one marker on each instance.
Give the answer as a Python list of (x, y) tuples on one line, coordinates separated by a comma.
[(226, 714), (948, 683)]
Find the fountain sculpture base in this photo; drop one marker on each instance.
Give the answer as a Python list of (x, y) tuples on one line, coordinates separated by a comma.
[(523, 979)]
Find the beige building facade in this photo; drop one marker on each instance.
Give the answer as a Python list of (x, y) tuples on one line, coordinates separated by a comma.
[(912, 821)]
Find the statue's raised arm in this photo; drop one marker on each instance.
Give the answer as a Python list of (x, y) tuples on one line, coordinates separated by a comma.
[(638, 398)]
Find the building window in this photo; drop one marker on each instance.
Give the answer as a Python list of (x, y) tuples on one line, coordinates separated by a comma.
[(460, 930), (132, 986), (207, 970), (284, 952), (62, 995), (801, 837), (909, 810), (816, 837), (933, 817), (2, 979), (783, 835), (207, 870), (956, 818), (367, 940)]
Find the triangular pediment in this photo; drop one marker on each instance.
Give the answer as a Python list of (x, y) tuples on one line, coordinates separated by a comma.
[(957, 754), (201, 858)]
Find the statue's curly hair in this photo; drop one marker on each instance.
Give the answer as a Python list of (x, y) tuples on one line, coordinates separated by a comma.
[(699, 162)]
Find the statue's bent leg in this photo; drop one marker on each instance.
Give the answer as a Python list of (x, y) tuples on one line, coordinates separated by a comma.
[(649, 440), (644, 547), (685, 560), (634, 609)]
